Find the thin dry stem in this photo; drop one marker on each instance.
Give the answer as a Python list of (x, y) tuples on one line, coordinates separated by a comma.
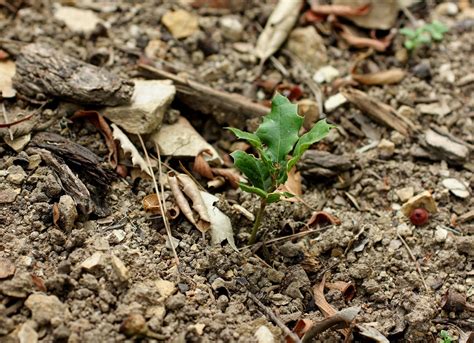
[(417, 265), (6, 121), (161, 197)]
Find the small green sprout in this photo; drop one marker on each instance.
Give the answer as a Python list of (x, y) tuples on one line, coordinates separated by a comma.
[(279, 146), (424, 34), (446, 338)]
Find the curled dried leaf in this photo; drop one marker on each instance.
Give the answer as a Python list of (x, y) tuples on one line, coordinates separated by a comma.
[(101, 124), (192, 191), (322, 217), (55, 214), (201, 166), (363, 42), (302, 326), (127, 146), (347, 289), (230, 174), (217, 182), (179, 197)]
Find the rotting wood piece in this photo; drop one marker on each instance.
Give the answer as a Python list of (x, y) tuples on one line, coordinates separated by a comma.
[(41, 69), (230, 108), (378, 111), (79, 158), (70, 183), (324, 164)]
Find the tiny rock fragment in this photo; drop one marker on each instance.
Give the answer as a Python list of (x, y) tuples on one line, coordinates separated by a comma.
[(16, 175), (264, 335), (382, 14), (8, 195), (423, 200), (93, 261), (7, 70), (445, 148), (404, 194), (119, 267), (18, 143), (466, 217), (182, 140), (440, 234), (407, 112), (447, 9), (165, 288), (180, 23), (438, 109), (456, 187), (45, 307), (27, 333), (7, 268), (134, 325), (231, 28), (77, 20), (150, 101), (386, 148), (199, 328), (326, 74), (308, 46), (334, 102), (67, 212)]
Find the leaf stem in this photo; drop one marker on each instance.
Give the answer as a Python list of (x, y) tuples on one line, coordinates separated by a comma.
[(258, 220)]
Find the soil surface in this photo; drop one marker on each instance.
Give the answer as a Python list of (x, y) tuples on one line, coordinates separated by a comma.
[(111, 276)]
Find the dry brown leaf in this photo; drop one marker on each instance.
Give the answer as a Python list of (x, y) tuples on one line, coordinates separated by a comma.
[(230, 174), (347, 289), (302, 326), (179, 197), (340, 10), (293, 184), (326, 309), (363, 42), (151, 203), (385, 77), (101, 124), (278, 26), (128, 147), (201, 166), (192, 191), (55, 214), (322, 217)]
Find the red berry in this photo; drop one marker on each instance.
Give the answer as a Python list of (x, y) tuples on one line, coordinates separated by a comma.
[(419, 216)]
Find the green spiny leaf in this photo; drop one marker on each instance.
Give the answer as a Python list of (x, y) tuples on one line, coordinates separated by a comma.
[(252, 138), (279, 130), (254, 169), (317, 132)]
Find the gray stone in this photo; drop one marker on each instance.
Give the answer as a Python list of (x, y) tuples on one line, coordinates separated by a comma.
[(404, 194), (27, 333), (308, 46), (176, 302), (445, 147), (150, 100), (93, 261), (45, 307), (465, 245), (8, 195), (67, 213), (119, 267)]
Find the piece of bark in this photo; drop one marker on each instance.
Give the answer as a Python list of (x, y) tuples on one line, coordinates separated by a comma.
[(41, 69), (443, 147), (323, 163), (71, 184), (79, 158), (230, 108), (378, 111)]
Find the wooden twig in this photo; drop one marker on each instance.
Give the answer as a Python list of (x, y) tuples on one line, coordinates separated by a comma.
[(417, 265), (225, 107), (16, 122), (5, 117), (341, 319), (273, 316)]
